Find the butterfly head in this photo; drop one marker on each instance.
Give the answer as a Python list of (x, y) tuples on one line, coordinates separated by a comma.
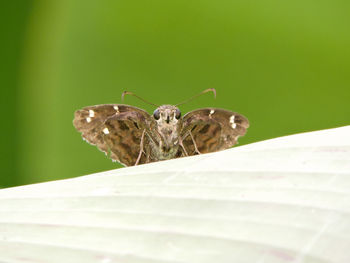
[(168, 121), (167, 115)]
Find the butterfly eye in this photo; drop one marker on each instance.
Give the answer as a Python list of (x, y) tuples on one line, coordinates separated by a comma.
[(156, 114), (178, 114)]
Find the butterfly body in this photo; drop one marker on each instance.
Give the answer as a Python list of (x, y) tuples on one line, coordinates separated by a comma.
[(168, 127), (131, 136)]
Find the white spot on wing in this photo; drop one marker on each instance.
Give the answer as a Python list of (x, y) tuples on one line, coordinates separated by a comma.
[(211, 113), (105, 131), (88, 119), (91, 113), (232, 121), (116, 108)]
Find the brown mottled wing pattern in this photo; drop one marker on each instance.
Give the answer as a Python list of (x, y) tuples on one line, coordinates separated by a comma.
[(115, 129), (212, 130)]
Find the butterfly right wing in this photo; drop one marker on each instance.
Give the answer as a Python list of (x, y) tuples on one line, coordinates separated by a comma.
[(212, 130), (115, 129)]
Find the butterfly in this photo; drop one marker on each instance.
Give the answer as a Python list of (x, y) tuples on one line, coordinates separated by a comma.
[(131, 136)]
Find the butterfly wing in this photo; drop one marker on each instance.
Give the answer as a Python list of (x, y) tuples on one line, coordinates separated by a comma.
[(115, 129), (212, 130)]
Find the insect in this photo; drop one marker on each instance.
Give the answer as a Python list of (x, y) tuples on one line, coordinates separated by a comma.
[(131, 136)]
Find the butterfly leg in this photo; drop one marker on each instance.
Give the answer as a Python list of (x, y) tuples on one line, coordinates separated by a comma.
[(183, 147), (194, 143), (141, 148)]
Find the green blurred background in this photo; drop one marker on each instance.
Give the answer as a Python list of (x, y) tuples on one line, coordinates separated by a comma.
[(283, 64)]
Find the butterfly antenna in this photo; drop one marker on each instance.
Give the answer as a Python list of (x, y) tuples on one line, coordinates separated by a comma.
[(195, 96), (133, 94)]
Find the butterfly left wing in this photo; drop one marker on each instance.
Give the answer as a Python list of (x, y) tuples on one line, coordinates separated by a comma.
[(116, 129), (209, 130)]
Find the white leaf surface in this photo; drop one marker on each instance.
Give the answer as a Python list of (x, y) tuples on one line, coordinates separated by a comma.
[(280, 200)]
